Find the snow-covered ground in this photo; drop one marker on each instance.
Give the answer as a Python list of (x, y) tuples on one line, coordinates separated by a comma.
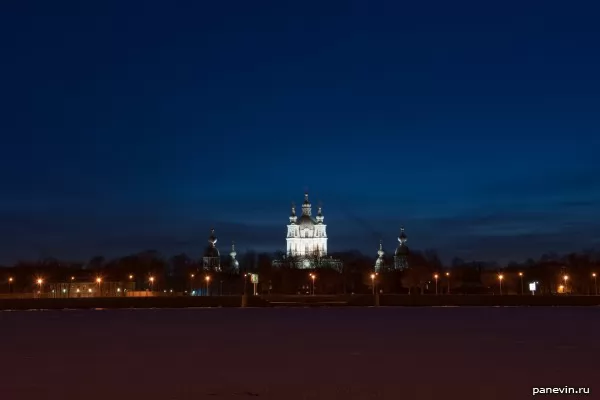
[(298, 353)]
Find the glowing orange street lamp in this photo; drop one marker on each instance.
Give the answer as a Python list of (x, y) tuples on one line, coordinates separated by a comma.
[(40, 281), (595, 283), (373, 283), (500, 277), (521, 276), (99, 282), (151, 283), (191, 283), (10, 281), (436, 276), (313, 276), (130, 276), (448, 276), (566, 278), (207, 279)]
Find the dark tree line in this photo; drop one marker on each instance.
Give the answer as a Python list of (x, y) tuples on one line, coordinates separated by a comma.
[(175, 273)]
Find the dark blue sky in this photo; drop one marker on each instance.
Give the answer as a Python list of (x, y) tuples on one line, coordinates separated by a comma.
[(139, 125)]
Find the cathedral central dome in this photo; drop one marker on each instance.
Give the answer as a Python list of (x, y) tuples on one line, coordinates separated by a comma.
[(306, 220)]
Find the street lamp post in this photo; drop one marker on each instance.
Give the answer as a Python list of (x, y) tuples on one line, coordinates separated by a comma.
[(500, 277), (69, 289), (448, 276), (191, 283), (312, 276), (151, 283), (10, 281), (595, 283), (207, 281), (521, 276), (565, 278), (436, 276), (373, 283), (40, 281), (99, 281)]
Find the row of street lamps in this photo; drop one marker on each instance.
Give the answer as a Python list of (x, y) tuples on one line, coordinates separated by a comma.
[(436, 277), (564, 287), (151, 279), (312, 276), (206, 278), (500, 279), (40, 281)]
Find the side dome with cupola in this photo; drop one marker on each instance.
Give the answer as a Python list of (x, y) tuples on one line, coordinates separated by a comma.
[(402, 252)]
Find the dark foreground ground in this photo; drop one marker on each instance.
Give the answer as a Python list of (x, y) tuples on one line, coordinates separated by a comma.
[(361, 300), (299, 353)]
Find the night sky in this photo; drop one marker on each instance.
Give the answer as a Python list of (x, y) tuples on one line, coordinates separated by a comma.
[(129, 126)]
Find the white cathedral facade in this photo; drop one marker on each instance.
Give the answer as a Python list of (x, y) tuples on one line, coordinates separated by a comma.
[(306, 241), (306, 236)]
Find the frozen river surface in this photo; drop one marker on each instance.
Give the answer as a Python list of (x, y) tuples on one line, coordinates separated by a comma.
[(298, 353)]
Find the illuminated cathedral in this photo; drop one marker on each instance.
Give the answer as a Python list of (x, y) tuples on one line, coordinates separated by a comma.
[(306, 236), (306, 240)]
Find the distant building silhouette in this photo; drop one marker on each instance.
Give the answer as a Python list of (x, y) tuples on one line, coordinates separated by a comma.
[(90, 287), (212, 259), (380, 262), (234, 263), (401, 254)]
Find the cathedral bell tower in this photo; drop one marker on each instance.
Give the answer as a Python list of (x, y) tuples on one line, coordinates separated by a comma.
[(235, 265), (380, 262), (401, 255), (319, 216), (293, 218), (306, 206), (212, 259)]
